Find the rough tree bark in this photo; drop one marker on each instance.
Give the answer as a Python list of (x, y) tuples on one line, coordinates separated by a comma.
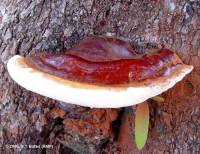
[(28, 26)]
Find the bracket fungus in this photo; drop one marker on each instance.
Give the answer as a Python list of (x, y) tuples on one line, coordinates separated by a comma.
[(100, 72)]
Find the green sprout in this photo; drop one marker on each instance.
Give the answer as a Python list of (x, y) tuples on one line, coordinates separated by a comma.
[(158, 99), (142, 122)]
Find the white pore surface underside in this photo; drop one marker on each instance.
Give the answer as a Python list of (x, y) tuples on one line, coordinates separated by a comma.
[(89, 97)]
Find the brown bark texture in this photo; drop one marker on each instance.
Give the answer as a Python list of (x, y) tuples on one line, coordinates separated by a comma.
[(26, 118)]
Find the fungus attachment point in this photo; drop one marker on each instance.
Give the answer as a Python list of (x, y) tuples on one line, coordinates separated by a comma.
[(100, 72)]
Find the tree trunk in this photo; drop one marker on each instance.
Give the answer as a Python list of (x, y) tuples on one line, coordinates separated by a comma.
[(27, 119)]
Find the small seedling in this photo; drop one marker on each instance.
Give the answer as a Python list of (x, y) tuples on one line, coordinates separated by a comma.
[(142, 122), (158, 99)]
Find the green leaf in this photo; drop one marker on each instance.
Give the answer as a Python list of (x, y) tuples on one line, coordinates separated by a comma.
[(141, 124), (158, 99)]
